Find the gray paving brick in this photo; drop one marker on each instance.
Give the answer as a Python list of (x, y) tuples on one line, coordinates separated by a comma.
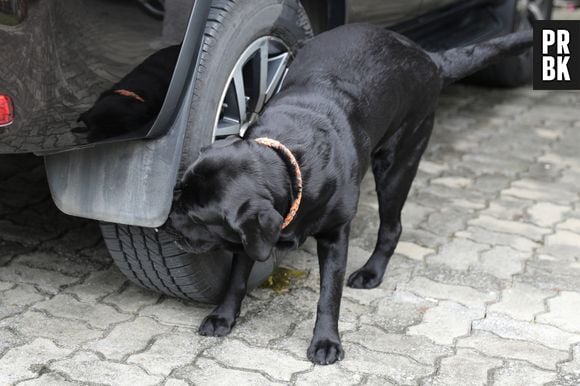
[(517, 373), (467, 366), (62, 331), (127, 338), (88, 367), (23, 362), (96, 315)]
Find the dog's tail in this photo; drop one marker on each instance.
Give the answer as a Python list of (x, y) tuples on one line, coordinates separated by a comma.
[(458, 63)]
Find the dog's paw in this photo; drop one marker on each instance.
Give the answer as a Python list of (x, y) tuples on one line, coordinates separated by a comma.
[(364, 279), (325, 351), (215, 325)]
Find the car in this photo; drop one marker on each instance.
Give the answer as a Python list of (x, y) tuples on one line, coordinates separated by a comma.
[(58, 56)]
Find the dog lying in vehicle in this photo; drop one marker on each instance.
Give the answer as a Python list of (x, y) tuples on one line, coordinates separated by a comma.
[(354, 97), (133, 101)]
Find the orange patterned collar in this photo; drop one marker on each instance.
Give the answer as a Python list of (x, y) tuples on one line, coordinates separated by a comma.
[(281, 149), (129, 94)]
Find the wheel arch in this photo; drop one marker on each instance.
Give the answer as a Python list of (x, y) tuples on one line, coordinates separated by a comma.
[(325, 14)]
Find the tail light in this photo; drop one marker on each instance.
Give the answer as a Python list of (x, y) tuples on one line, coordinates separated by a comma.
[(6, 110)]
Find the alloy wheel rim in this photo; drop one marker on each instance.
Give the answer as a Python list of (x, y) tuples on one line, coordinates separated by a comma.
[(256, 77)]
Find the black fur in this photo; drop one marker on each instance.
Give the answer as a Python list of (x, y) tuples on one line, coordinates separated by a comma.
[(354, 97), (114, 115)]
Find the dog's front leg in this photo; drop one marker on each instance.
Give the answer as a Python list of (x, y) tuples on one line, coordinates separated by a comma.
[(325, 347), (223, 318)]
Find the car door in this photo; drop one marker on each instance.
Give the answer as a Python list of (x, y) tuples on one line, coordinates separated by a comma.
[(381, 12)]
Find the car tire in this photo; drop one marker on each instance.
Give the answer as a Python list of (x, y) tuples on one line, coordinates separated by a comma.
[(149, 257), (517, 70)]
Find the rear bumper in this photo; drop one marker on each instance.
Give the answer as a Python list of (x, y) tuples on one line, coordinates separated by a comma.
[(58, 57)]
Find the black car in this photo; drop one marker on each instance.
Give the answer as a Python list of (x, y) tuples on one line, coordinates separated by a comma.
[(58, 56)]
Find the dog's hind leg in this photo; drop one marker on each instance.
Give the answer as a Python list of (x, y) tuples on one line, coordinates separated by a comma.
[(394, 167), (223, 318)]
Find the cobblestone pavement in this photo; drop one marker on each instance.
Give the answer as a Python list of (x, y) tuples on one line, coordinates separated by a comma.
[(484, 287)]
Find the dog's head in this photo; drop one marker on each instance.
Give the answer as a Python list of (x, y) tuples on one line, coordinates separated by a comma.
[(114, 115), (223, 203)]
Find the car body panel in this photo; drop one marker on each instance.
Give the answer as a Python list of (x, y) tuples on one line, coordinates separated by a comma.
[(384, 13), (62, 54)]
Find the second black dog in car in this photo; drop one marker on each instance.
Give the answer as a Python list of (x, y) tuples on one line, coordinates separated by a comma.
[(354, 97)]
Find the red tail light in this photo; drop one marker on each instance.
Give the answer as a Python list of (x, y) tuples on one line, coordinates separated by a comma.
[(6, 110)]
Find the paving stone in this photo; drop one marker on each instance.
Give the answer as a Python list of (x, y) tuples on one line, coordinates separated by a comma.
[(507, 208), (96, 315), (445, 322), (527, 230), (494, 346), (571, 368), (328, 375), (413, 251), (276, 364), (175, 382), (453, 182), (21, 295), (446, 222), (132, 298), (169, 352), (540, 278), (208, 372), (563, 312), (416, 347), (568, 242), (4, 286), (63, 332), (466, 368), (127, 338), (543, 334), (521, 302), (486, 236), (50, 379), (535, 190), (546, 214), (432, 290), (397, 368), (87, 367), (98, 284), (177, 313), (8, 339), (517, 373), (272, 321), (571, 224), (49, 281), (27, 361), (458, 254), (432, 167), (394, 314), (502, 262), (472, 278), (74, 265)]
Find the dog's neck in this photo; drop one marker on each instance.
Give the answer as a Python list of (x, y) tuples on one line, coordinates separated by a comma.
[(277, 178)]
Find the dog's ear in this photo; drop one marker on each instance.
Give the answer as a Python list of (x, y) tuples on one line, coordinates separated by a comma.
[(260, 232)]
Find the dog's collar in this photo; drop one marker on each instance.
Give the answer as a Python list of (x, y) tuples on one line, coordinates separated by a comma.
[(129, 94), (283, 150)]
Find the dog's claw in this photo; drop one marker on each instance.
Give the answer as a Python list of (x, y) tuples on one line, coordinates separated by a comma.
[(325, 352), (364, 279), (215, 325)]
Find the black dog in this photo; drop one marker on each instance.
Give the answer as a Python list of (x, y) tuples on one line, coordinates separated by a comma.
[(355, 96), (135, 100)]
